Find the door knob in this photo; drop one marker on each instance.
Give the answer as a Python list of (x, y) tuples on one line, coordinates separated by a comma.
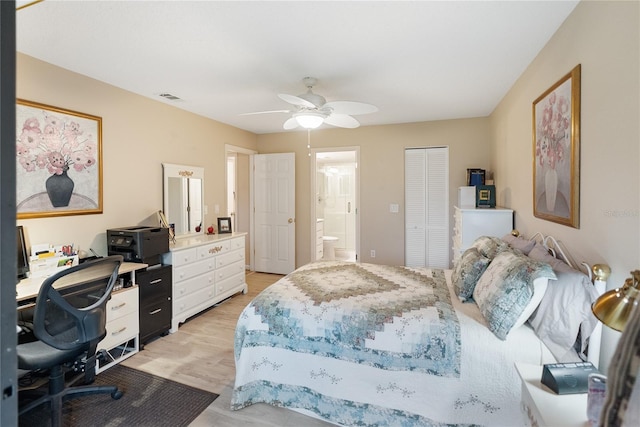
[(290, 221)]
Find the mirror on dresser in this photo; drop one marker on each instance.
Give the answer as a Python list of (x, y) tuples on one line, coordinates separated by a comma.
[(183, 193)]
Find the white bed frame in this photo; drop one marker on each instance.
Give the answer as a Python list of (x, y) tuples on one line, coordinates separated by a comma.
[(598, 274)]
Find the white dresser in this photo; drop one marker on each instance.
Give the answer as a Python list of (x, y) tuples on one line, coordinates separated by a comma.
[(471, 223), (206, 270)]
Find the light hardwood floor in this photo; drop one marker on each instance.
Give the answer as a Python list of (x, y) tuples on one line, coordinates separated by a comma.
[(200, 354)]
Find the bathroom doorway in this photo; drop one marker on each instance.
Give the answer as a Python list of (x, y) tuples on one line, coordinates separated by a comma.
[(335, 221)]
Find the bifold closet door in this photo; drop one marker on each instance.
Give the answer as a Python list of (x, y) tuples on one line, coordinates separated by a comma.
[(427, 207)]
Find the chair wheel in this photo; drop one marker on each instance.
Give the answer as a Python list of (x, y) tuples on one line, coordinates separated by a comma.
[(116, 395)]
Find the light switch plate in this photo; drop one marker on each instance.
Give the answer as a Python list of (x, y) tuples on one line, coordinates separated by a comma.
[(393, 208)]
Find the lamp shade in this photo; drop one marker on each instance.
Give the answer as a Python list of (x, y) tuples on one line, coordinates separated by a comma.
[(309, 120), (615, 307)]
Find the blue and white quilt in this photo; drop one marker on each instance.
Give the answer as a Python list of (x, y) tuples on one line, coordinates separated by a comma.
[(367, 344)]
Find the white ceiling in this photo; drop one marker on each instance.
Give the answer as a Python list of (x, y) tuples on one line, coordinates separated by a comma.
[(416, 60)]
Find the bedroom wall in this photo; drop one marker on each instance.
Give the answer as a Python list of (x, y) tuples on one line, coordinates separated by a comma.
[(604, 37), (381, 175), (138, 135)]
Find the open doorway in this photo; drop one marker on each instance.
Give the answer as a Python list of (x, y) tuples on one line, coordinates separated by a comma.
[(335, 221), (238, 193)]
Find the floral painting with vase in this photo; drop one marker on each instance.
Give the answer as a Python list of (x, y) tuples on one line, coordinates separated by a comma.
[(58, 155), (555, 146)]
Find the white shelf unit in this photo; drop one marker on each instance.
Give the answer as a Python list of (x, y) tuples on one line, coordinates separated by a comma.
[(121, 341), (319, 240), (471, 223), (206, 270)]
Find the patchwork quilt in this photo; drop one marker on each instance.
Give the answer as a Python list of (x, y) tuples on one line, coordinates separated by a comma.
[(368, 344)]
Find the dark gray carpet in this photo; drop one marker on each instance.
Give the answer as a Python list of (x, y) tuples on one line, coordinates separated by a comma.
[(148, 400)]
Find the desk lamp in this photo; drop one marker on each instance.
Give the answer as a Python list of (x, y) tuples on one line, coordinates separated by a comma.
[(615, 307)]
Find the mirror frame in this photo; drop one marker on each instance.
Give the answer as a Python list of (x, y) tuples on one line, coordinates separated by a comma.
[(181, 171)]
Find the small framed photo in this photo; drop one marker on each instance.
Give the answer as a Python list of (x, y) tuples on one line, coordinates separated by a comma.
[(485, 196), (224, 225), (475, 177)]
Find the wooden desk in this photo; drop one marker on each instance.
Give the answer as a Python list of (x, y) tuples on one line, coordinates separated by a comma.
[(28, 288), (122, 326)]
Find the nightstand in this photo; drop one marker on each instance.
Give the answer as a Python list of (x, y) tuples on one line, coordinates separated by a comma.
[(542, 407)]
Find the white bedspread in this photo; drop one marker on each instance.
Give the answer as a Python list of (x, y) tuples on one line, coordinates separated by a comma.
[(486, 391)]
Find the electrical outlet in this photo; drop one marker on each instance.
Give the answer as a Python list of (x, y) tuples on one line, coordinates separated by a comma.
[(373, 253)]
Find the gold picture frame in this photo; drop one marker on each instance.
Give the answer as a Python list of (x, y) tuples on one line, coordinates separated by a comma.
[(556, 152), (59, 161)]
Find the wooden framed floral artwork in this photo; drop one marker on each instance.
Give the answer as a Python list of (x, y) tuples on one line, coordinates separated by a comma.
[(59, 161), (556, 152)]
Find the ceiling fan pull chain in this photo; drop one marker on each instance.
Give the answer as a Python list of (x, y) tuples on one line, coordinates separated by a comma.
[(309, 141)]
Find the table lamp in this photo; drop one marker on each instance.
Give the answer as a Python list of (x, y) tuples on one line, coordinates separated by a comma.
[(614, 308)]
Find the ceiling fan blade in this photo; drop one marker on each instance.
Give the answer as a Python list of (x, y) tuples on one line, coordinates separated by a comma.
[(296, 100), (292, 123), (350, 107), (265, 112), (342, 121)]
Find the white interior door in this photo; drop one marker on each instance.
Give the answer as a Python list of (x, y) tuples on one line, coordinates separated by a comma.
[(427, 207), (274, 217)]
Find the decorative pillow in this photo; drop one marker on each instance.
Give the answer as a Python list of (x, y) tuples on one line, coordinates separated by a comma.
[(540, 253), (539, 288), (564, 311), (490, 246), (506, 288), (467, 271), (523, 245)]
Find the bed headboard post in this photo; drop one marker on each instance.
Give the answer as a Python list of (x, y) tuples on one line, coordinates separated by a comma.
[(601, 273)]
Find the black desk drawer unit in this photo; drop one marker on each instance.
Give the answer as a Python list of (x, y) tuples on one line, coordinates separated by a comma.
[(155, 302)]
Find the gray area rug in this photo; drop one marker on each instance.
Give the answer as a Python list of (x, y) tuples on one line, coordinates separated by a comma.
[(148, 400)]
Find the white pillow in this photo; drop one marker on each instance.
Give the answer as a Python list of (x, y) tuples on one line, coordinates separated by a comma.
[(539, 288)]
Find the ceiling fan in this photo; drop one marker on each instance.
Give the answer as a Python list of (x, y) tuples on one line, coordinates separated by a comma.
[(312, 110)]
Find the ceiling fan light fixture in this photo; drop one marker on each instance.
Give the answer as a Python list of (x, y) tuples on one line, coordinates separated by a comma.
[(309, 120)]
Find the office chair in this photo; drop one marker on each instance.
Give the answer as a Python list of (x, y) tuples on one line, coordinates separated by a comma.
[(69, 321)]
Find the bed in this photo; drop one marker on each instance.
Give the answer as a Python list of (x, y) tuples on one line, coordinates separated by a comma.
[(368, 344)]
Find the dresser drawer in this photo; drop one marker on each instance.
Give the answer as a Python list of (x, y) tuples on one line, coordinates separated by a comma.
[(236, 243), (183, 257), (192, 300), (194, 269), (230, 258), (228, 271), (229, 283), (188, 287), (213, 249), (120, 330), (122, 302)]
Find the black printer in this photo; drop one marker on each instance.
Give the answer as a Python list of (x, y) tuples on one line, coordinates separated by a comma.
[(139, 244)]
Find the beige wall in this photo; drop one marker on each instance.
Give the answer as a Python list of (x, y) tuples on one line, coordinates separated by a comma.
[(381, 175), (138, 135), (603, 37)]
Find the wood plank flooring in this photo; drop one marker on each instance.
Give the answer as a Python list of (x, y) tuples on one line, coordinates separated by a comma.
[(200, 354)]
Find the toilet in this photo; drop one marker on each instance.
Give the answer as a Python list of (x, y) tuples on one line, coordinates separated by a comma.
[(329, 247)]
